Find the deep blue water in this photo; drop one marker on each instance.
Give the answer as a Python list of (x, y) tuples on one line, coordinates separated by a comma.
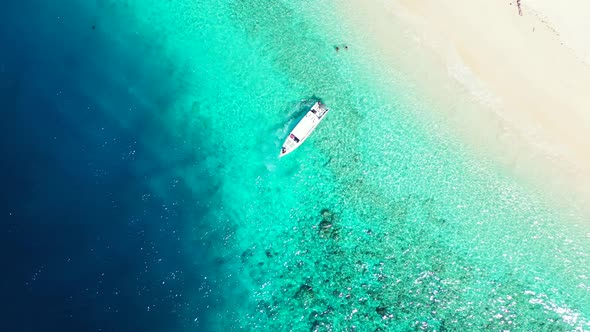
[(86, 243)]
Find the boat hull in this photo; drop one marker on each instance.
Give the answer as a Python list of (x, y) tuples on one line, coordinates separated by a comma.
[(304, 128)]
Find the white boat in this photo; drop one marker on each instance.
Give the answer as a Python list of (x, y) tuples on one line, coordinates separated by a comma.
[(304, 128)]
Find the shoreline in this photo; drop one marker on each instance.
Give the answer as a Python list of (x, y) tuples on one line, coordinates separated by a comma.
[(506, 83)]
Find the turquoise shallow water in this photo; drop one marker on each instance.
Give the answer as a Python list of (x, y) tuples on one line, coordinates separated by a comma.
[(380, 221)]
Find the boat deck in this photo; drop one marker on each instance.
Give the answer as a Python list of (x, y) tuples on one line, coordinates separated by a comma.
[(304, 128)]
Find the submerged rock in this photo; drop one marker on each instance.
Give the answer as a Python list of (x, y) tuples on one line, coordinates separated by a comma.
[(327, 227), (246, 255), (328, 310), (325, 224), (317, 326), (312, 315), (327, 215), (314, 326), (381, 310), (264, 306), (305, 293)]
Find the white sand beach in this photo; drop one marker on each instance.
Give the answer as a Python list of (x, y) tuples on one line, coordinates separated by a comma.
[(525, 78)]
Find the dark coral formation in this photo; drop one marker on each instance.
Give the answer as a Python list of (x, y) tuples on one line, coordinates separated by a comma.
[(327, 227)]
